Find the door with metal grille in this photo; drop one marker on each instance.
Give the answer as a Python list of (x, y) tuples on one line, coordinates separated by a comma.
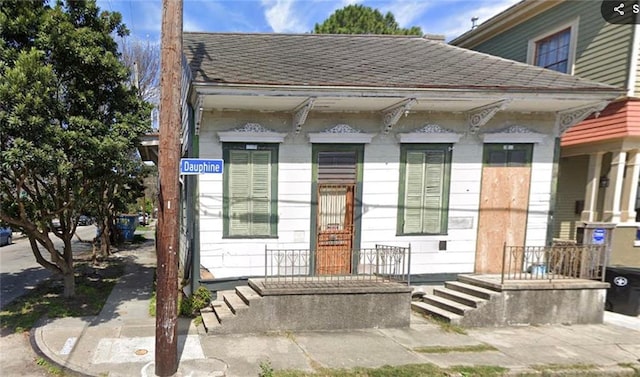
[(335, 212)]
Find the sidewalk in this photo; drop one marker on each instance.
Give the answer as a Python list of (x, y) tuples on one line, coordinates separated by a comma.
[(121, 341)]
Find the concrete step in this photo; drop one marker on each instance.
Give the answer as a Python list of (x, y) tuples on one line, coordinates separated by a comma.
[(234, 301), (446, 304), (247, 294), (490, 285), (459, 297), (470, 289), (222, 311), (209, 319), (437, 312)]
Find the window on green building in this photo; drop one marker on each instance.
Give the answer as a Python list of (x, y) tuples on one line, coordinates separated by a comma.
[(552, 52), (250, 190)]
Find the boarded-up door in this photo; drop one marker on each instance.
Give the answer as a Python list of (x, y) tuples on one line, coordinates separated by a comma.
[(335, 212), (504, 202)]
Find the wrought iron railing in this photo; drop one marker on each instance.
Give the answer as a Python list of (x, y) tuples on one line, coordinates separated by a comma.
[(554, 262), (378, 264)]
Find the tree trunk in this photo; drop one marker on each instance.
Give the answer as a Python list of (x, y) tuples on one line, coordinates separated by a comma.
[(105, 242), (68, 270), (69, 284)]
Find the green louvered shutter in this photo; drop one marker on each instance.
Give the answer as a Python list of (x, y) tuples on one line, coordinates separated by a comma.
[(239, 193), (434, 180), (414, 188), (260, 193)]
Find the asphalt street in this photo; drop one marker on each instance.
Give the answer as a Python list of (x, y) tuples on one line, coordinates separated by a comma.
[(19, 271)]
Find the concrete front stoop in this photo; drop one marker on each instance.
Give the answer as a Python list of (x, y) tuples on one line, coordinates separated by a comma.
[(235, 309), (458, 302), (483, 300), (348, 303)]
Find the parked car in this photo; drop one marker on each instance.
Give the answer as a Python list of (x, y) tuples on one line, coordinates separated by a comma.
[(143, 219), (5, 236), (85, 220), (56, 224)]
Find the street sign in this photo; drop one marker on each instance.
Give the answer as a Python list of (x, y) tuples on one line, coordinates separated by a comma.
[(598, 236), (190, 166)]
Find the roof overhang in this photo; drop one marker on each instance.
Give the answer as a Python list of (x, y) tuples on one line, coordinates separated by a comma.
[(511, 17), (271, 98), (148, 147), (610, 145)]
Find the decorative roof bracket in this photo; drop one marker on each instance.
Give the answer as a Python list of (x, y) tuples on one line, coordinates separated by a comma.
[(300, 114), (479, 116), (392, 114), (199, 111), (569, 118)]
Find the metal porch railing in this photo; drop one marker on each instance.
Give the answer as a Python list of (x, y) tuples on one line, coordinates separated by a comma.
[(381, 263), (554, 262)]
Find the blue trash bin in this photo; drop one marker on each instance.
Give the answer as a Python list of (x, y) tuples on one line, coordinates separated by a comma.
[(127, 226)]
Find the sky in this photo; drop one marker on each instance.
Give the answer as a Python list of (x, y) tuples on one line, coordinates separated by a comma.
[(450, 18)]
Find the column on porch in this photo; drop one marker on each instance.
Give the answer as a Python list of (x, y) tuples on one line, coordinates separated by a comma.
[(630, 188), (613, 193), (589, 211)]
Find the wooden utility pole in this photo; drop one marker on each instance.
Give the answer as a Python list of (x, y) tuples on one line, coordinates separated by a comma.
[(168, 159)]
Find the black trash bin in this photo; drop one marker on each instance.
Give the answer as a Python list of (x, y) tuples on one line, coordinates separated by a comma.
[(623, 296)]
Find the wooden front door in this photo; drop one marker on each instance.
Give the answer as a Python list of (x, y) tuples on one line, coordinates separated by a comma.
[(336, 186), (504, 202)]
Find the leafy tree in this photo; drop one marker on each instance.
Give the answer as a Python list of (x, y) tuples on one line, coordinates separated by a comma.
[(68, 120), (360, 19)]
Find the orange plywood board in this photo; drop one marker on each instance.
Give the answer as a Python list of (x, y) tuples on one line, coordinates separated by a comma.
[(504, 202)]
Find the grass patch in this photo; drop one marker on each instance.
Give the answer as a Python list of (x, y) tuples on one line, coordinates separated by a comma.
[(479, 371), (635, 367), (51, 369), (583, 370), (93, 285), (138, 239), (410, 370), (560, 367), (152, 302), (471, 348)]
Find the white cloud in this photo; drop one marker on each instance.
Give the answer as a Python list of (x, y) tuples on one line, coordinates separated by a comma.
[(282, 16), (192, 23), (406, 12)]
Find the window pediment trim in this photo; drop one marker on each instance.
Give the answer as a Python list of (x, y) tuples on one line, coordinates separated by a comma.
[(429, 133), (252, 133), (513, 134), (341, 134)]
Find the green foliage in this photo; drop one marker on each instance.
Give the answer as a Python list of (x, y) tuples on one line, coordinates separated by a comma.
[(360, 19), (441, 349), (409, 370), (153, 303), (190, 306), (266, 370), (50, 368), (69, 122)]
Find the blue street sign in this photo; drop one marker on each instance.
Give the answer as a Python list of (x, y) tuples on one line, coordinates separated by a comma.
[(598, 236), (200, 166)]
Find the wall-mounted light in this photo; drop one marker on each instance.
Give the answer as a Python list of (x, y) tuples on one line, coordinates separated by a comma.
[(604, 181)]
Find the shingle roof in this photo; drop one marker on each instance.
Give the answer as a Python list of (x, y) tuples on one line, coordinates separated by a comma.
[(361, 61)]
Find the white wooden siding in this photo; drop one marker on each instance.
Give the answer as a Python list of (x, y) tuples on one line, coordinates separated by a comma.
[(226, 257)]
